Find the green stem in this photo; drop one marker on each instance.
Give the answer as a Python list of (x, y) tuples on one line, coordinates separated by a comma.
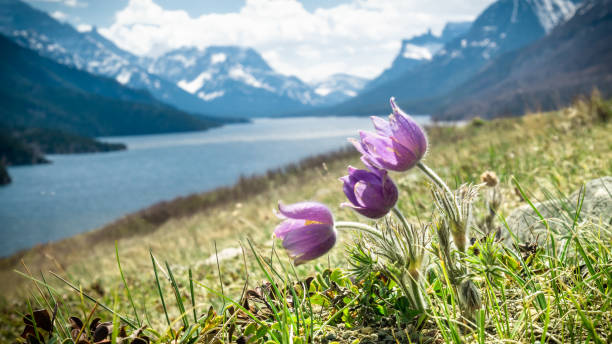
[(434, 177), (400, 216), (417, 294), (360, 227)]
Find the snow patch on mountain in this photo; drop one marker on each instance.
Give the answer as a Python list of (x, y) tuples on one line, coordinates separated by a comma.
[(194, 85), (124, 77), (238, 72), (218, 58), (424, 52), (418, 50), (210, 96), (552, 12), (339, 87), (187, 62), (323, 91)]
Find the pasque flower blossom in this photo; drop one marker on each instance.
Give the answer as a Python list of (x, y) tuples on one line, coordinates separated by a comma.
[(371, 193), (397, 145), (307, 231)]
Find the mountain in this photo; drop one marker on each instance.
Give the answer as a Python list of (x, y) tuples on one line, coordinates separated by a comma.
[(338, 87), (234, 81), (36, 92), (504, 26), (418, 50), (220, 80), (548, 74), (87, 51)]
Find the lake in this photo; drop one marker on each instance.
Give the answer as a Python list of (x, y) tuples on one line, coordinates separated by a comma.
[(81, 192)]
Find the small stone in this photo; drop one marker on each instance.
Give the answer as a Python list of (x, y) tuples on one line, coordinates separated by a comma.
[(527, 226)]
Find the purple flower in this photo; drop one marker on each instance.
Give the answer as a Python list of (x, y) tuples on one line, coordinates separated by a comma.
[(307, 230), (398, 143), (371, 193)]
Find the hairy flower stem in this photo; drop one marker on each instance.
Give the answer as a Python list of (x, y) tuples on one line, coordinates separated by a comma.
[(400, 216), (434, 177), (360, 227)]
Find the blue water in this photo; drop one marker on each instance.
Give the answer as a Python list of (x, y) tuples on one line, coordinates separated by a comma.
[(81, 192)]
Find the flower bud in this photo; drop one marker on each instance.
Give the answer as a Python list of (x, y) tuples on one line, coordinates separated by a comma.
[(469, 296), (307, 230), (371, 193), (489, 178), (398, 144)]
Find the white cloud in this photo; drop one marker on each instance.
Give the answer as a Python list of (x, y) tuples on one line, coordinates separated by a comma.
[(360, 38), (59, 15)]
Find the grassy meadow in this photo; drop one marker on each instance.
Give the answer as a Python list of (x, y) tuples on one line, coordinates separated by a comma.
[(224, 279)]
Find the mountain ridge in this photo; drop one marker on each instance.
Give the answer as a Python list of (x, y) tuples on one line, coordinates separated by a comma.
[(569, 62), (39, 92), (504, 26), (250, 89)]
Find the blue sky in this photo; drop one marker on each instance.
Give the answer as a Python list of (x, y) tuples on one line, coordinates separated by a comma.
[(311, 39)]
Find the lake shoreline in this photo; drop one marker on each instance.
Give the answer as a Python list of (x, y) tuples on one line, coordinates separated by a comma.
[(150, 218), (86, 191)]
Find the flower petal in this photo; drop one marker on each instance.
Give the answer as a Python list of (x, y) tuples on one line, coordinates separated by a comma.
[(310, 211), (359, 146), (407, 131), (288, 225), (387, 153), (370, 166), (371, 213), (309, 242), (347, 187), (356, 175), (382, 126), (390, 192), (368, 195)]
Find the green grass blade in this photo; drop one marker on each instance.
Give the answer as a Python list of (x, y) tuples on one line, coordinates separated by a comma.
[(159, 289), (127, 288), (177, 295)]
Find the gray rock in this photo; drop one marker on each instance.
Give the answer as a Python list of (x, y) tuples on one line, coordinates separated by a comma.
[(560, 213)]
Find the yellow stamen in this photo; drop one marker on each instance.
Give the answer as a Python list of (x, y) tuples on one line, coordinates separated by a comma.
[(393, 150), (313, 222)]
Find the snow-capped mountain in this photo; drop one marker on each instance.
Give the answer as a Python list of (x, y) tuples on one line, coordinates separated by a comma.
[(234, 79), (87, 51), (572, 60), (226, 81), (504, 26), (417, 50), (339, 87), (238, 80), (507, 25)]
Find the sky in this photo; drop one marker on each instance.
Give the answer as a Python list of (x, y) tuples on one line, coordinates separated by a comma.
[(311, 39)]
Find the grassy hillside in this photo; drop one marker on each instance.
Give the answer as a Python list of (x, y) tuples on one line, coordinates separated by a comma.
[(545, 152)]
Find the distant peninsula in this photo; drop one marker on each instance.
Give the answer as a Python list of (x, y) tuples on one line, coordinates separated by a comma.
[(28, 146)]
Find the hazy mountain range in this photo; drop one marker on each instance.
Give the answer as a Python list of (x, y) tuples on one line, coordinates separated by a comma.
[(37, 92), (504, 26), (224, 81), (431, 74), (571, 60)]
